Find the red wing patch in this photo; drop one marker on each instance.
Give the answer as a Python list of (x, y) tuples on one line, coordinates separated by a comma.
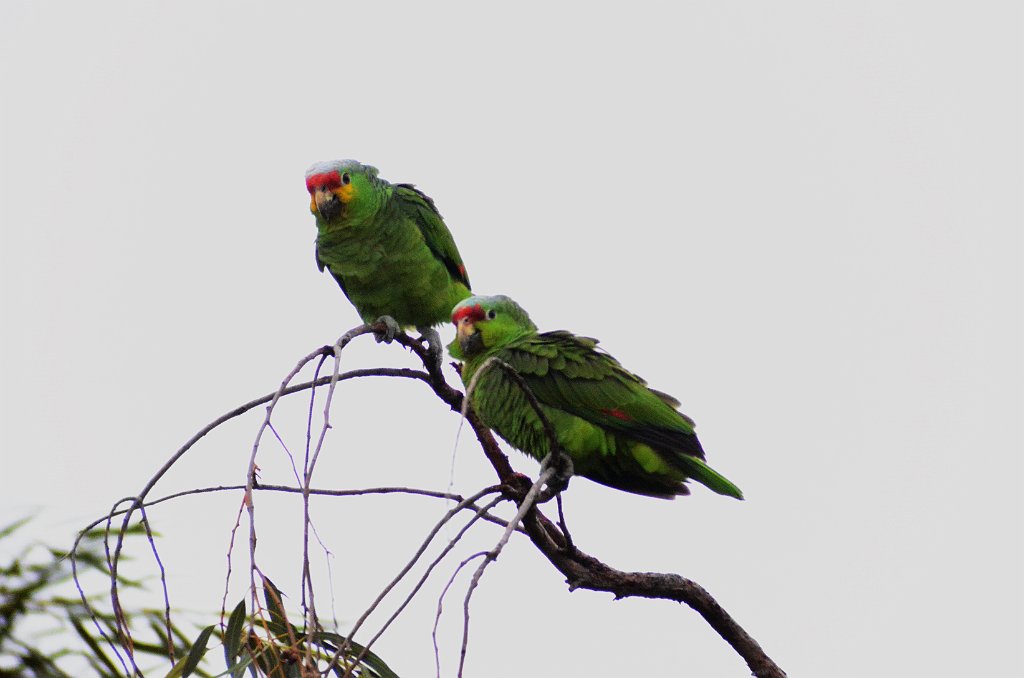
[(617, 413), (324, 180)]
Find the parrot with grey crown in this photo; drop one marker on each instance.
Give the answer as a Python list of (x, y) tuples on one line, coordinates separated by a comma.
[(617, 430), (388, 248)]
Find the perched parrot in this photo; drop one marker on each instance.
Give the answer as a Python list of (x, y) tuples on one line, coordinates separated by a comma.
[(617, 431), (388, 248)]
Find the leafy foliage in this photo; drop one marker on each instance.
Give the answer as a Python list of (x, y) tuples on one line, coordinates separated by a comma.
[(275, 647), (46, 630)]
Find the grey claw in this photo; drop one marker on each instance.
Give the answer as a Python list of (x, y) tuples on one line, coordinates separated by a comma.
[(563, 472), (559, 483), (391, 329), (434, 346)]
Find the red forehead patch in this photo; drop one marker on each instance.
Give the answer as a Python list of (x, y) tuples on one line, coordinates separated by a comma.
[(324, 180), (474, 313)]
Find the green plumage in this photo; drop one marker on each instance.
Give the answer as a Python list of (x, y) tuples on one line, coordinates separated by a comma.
[(386, 245), (617, 431)]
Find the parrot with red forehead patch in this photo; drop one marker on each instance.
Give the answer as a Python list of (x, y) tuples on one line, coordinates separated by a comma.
[(388, 248), (617, 430)]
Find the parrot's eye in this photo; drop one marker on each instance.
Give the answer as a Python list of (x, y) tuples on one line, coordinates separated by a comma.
[(346, 179), (492, 314)]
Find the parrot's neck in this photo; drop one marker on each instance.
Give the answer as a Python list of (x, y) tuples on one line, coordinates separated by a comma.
[(476, 360), (372, 217), (363, 228)]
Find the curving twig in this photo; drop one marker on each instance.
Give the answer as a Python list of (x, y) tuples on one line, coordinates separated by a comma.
[(525, 506), (426, 574), (440, 606), (405, 569), (581, 570)]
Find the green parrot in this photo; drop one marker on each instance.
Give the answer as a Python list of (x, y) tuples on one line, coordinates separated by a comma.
[(617, 431), (387, 247)]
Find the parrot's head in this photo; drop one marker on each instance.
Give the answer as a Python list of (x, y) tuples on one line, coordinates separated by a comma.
[(342, 191), (485, 323)]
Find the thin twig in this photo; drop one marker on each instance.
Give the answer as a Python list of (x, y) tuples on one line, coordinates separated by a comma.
[(120, 622), (250, 504), (557, 546), (231, 548), (549, 429), (309, 612), (306, 577), (492, 555), (454, 398), (72, 555), (314, 491), (238, 411), (583, 571), (163, 583), (408, 566), (561, 523), (440, 606), (426, 574), (580, 569)]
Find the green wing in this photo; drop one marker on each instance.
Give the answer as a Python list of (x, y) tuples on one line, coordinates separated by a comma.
[(571, 374), (420, 208), (321, 264)]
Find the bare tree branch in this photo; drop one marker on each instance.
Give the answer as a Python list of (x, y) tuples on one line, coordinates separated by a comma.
[(440, 606), (583, 571), (426, 574), (525, 506), (580, 569), (412, 561)]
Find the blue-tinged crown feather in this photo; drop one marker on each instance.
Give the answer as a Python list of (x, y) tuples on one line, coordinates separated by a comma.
[(340, 166)]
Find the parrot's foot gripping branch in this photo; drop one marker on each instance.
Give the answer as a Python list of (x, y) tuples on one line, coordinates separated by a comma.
[(561, 463), (390, 331), (434, 345)]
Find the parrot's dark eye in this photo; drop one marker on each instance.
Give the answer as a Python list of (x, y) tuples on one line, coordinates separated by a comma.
[(492, 314), (346, 179)]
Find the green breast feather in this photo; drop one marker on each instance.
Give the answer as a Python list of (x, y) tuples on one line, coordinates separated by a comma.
[(386, 246)]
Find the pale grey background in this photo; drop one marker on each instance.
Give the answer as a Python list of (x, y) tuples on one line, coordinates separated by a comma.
[(802, 218)]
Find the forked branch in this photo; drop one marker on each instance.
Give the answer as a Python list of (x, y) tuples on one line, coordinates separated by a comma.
[(581, 570)]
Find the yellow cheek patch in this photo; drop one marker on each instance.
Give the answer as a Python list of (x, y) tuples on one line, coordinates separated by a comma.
[(345, 192)]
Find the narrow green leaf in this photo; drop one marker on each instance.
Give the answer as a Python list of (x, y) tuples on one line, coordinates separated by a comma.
[(275, 602), (97, 652), (190, 662), (8, 529), (244, 662), (233, 638), (158, 628), (377, 665), (264, 655), (178, 669), (370, 661)]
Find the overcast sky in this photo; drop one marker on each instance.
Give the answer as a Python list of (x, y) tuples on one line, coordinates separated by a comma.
[(802, 219)]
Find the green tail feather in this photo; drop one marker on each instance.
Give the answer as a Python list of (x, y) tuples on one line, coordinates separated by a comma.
[(709, 477)]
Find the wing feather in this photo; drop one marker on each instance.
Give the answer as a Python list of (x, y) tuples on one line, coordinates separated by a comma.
[(420, 208), (572, 374)]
